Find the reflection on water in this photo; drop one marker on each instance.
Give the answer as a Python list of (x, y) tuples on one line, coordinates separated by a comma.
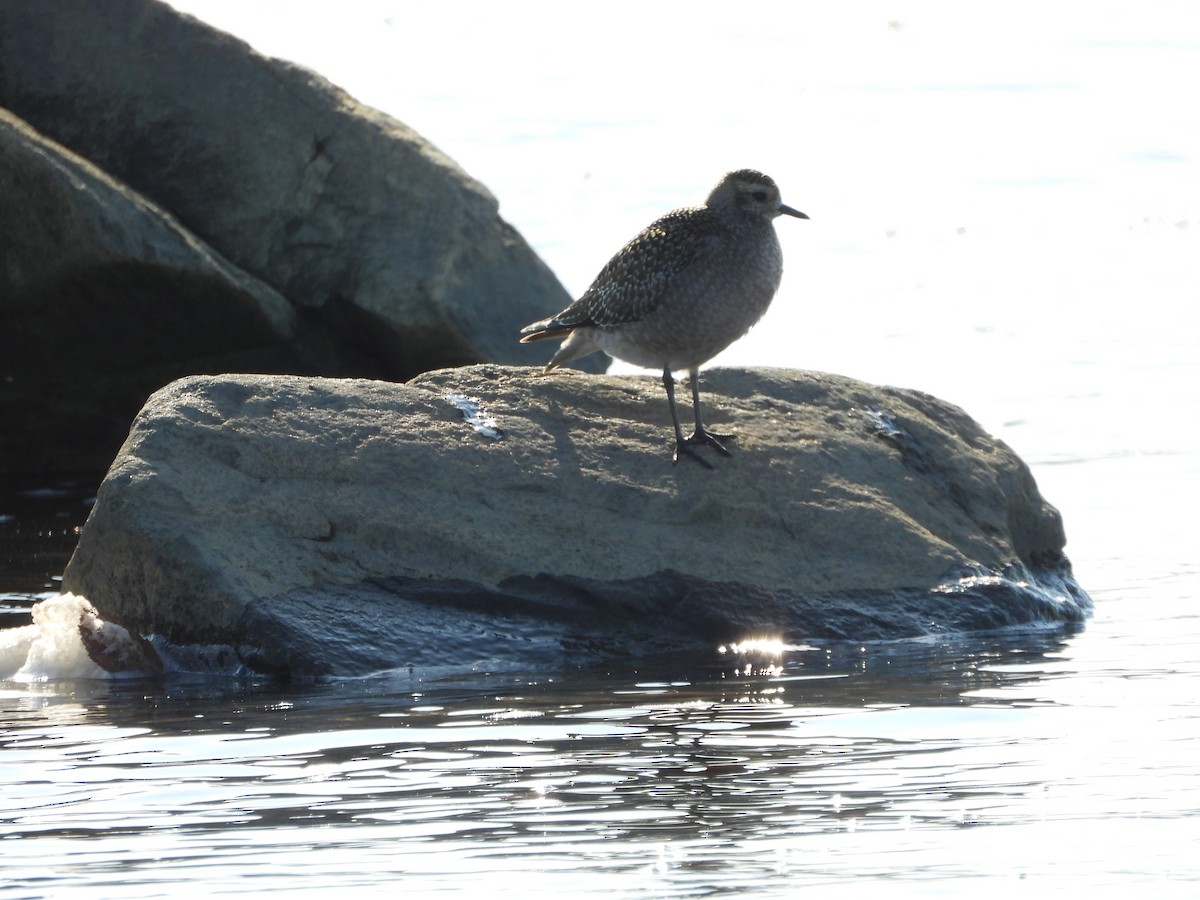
[(758, 772)]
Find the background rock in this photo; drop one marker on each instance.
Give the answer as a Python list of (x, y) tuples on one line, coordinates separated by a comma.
[(105, 296), (393, 259), (344, 526)]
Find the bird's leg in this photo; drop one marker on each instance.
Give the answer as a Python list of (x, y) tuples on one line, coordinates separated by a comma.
[(682, 446), (702, 434)]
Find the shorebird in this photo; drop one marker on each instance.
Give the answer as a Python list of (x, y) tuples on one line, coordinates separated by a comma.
[(688, 286)]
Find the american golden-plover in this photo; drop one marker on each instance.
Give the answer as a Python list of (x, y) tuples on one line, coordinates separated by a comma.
[(682, 291)]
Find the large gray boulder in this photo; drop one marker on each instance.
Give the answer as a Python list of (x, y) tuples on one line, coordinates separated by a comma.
[(392, 258), (494, 515)]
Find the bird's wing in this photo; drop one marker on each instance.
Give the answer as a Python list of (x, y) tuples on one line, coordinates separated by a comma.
[(636, 279)]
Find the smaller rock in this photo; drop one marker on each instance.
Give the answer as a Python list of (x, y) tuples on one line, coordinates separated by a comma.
[(115, 648)]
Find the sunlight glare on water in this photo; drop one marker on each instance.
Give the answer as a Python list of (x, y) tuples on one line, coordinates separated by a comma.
[(852, 761)]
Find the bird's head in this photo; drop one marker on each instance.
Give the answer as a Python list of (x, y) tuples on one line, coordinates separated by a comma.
[(750, 192)]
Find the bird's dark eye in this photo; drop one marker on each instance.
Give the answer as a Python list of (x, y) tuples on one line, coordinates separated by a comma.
[(760, 196)]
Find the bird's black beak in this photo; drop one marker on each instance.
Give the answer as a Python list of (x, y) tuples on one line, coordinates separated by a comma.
[(788, 211)]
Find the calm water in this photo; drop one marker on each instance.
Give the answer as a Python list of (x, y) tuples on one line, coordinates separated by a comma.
[(1006, 213), (1035, 760)]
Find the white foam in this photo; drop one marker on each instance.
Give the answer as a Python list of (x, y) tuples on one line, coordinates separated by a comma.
[(52, 647), (14, 649)]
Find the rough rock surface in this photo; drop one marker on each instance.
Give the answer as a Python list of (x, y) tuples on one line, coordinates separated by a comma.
[(392, 259), (489, 513)]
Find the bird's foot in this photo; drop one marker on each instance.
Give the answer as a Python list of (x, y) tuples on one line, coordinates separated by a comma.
[(700, 437)]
